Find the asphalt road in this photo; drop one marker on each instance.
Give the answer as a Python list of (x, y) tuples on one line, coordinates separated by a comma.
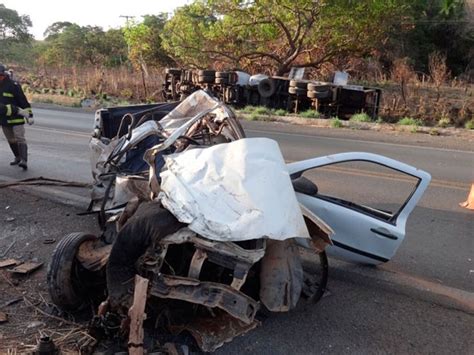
[(421, 301)]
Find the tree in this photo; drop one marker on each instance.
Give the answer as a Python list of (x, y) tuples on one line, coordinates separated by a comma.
[(13, 32), (70, 44), (274, 35)]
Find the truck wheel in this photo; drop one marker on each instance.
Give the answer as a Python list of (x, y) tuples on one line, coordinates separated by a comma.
[(207, 73), (222, 81), (297, 91), (206, 79), (316, 278), (222, 74), (299, 84), (64, 273), (173, 71), (266, 88), (319, 94)]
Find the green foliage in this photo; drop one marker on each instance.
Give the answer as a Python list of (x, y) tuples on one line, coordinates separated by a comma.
[(360, 117), (408, 121), (310, 114), (442, 26), (14, 37), (336, 122), (444, 122), (469, 124), (70, 44), (253, 116), (262, 110), (280, 112), (248, 109), (275, 35)]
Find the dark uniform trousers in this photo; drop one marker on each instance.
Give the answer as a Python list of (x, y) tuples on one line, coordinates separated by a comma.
[(11, 98)]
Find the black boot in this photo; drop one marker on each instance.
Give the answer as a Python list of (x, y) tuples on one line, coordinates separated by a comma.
[(16, 153), (23, 148)]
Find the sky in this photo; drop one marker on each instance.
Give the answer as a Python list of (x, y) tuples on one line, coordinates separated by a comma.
[(103, 13)]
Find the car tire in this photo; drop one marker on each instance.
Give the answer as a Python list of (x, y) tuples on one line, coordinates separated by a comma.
[(266, 88), (315, 281), (65, 290)]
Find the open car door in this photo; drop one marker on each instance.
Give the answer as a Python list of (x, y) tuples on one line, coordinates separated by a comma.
[(352, 193)]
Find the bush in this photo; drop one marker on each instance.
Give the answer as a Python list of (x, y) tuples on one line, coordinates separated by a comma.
[(444, 122), (336, 122), (261, 110), (248, 109), (408, 121), (360, 117), (280, 112), (310, 114), (469, 124), (253, 116)]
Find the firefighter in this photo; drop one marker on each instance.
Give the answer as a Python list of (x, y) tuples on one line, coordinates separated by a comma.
[(14, 111)]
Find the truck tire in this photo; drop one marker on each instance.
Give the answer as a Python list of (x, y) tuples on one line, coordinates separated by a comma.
[(173, 71), (319, 94), (64, 284), (318, 87), (222, 81), (207, 73), (297, 91), (266, 88), (299, 84), (222, 74), (206, 79)]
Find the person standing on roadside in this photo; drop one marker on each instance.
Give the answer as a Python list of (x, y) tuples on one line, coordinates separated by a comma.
[(12, 118)]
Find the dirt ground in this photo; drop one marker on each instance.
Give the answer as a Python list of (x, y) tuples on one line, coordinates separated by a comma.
[(29, 234)]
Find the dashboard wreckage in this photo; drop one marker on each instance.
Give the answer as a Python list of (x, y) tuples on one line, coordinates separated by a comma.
[(203, 230)]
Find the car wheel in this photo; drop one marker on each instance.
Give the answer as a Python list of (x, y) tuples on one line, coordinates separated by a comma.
[(65, 275), (316, 278)]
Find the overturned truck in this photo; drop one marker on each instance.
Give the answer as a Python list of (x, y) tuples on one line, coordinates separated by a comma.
[(204, 230), (237, 88)]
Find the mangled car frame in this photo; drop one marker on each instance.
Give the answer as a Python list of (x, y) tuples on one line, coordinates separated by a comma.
[(214, 222)]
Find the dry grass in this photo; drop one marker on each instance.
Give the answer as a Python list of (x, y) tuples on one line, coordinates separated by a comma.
[(94, 83)]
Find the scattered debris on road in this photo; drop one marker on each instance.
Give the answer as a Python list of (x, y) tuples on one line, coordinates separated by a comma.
[(26, 268)]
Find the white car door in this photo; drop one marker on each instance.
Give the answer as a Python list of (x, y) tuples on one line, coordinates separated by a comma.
[(362, 233)]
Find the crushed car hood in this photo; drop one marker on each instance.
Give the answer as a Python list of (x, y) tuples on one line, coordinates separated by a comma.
[(233, 192)]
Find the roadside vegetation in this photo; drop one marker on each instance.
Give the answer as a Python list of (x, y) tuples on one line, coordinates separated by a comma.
[(418, 52)]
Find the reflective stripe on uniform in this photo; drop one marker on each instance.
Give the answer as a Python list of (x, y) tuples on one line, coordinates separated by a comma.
[(9, 110), (16, 120), (7, 94)]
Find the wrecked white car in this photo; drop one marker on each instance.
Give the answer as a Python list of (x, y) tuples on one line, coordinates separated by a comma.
[(214, 223)]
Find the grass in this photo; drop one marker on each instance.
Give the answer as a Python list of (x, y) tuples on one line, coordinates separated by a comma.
[(409, 121), (360, 117), (310, 114), (444, 122), (253, 117), (261, 110), (336, 122), (469, 124), (55, 99), (280, 112)]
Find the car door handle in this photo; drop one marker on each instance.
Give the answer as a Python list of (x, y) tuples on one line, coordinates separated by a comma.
[(384, 233)]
